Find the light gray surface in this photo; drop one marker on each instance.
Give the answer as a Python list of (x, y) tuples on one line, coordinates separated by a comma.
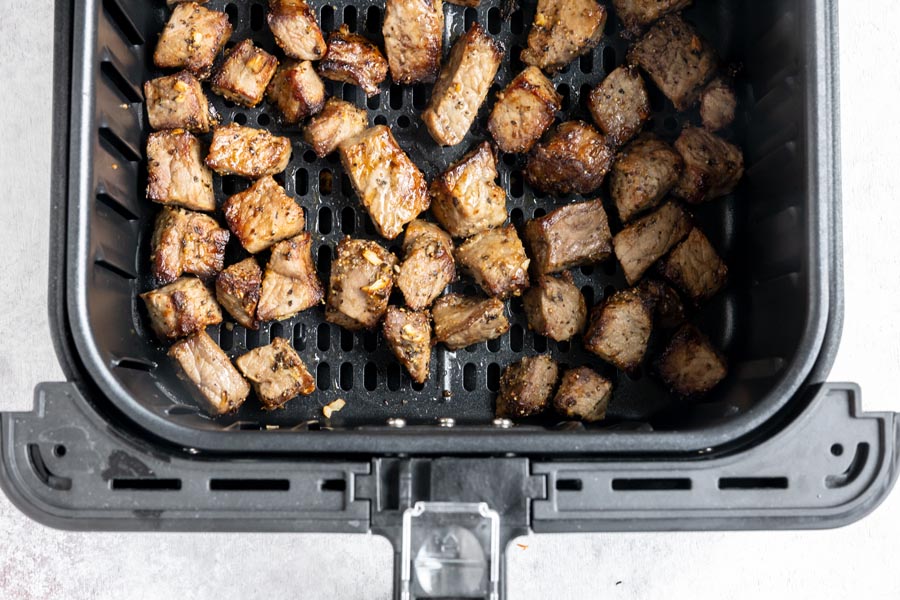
[(857, 561)]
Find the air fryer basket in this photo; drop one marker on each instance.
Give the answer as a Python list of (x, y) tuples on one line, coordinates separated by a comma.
[(771, 320)]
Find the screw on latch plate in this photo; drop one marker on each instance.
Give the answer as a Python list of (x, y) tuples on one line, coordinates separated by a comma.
[(450, 550)]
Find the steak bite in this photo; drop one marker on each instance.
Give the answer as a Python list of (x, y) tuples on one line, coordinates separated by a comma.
[(245, 74), (296, 31), (649, 238), (362, 277), (637, 14), (191, 39), (186, 242), (555, 307), (291, 284), (389, 185), (413, 39), (219, 385), (181, 308), (353, 59), (526, 387), (690, 364), (619, 105), (570, 236), (695, 267), (177, 102), (573, 159), (466, 198), (460, 321), (524, 111), (248, 152), (339, 121), (408, 335), (562, 31), (277, 373), (712, 166), (718, 104), (297, 91), (678, 60), (642, 175), (237, 290), (428, 266), (583, 394), (462, 86), (496, 260), (262, 215), (668, 310), (620, 329), (175, 171)]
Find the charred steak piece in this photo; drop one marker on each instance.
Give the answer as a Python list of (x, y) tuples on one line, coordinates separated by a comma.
[(413, 39), (718, 104), (294, 25), (428, 265), (712, 166), (526, 387), (524, 111), (277, 373), (572, 159), (695, 267), (460, 321), (186, 242), (353, 59), (291, 284), (637, 14), (642, 175), (219, 385), (555, 307), (181, 308), (668, 309), (620, 329), (176, 173), (619, 105), (248, 152), (583, 394), (262, 215), (191, 39), (570, 236), (237, 290), (649, 238), (177, 102), (297, 91), (408, 335), (562, 31), (339, 121), (245, 74), (690, 365), (362, 277), (496, 260), (466, 198)]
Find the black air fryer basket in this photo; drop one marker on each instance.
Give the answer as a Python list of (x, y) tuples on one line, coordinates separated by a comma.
[(121, 445)]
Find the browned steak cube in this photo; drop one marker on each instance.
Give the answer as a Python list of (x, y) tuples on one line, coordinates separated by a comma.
[(277, 373), (573, 159), (181, 308), (462, 86), (191, 39), (428, 266), (413, 39), (177, 102), (353, 59), (620, 329), (690, 365), (219, 385), (245, 74), (718, 104), (408, 335), (524, 111), (637, 14), (649, 238), (583, 394), (678, 60), (297, 91), (237, 290), (555, 307), (619, 105), (389, 185), (712, 166), (497, 261), (339, 121), (526, 387), (294, 25), (562, 31), (291, 284), (262, 215), (695, 267), (248, 152), (466, 198), (469, 3), (668, 310), (174, 2), (175, 172), (570, 236), (186, 242), (460, 321), (642, 175), (362, 277)]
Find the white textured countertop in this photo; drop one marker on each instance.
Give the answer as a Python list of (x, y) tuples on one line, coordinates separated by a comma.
[(859, 561)]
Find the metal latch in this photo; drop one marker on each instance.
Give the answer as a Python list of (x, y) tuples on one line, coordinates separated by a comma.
[(450, 549)]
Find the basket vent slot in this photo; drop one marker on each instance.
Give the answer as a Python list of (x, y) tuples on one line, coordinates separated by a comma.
[(123, 21), (120, 82), (249, 485), (569, 485), (146, 485), (651, 484), (116, 206), (333, 485), (753, 483)]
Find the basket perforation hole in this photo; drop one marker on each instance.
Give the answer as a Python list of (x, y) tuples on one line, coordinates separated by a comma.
[(370, 341), (515, 59), (263, 119), (494, 345), (610, 267), (564, 346), (374, 102), (566, 93), (516, 338), (370, 377), (348, 220), (310, 156), (381, 120), (494, 20), (323, 376), (539, 343), (350, 17), (232, 11), (469, 290), (586, 63), (323, 337), (226, 337), (587, 270), (471, 17), (517, 217), (232, 185), (585, 93), (257, 17), (325, 220), (588, 293), (396, 96), (276, 331), (516, 184), (538, 213), (373, 19), (517, 22), (368, 225), (348, 93), (301, 182), (229, 104), (346, 340), (394, 376), (493, 377), (326, 18), (609, 291), (403, 122), (323, 262), (469, 377), (347, 376), (609, 60), (837, 449), (420, 96), (346, 185), (59, 451), (671, 124), (516, 306), (240, 119), (326, 182), (300, 337)]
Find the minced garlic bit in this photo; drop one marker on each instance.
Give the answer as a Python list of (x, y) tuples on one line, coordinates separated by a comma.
[(411, 333), (370, 256), (180, 86), (376, 287), (334, 407)]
